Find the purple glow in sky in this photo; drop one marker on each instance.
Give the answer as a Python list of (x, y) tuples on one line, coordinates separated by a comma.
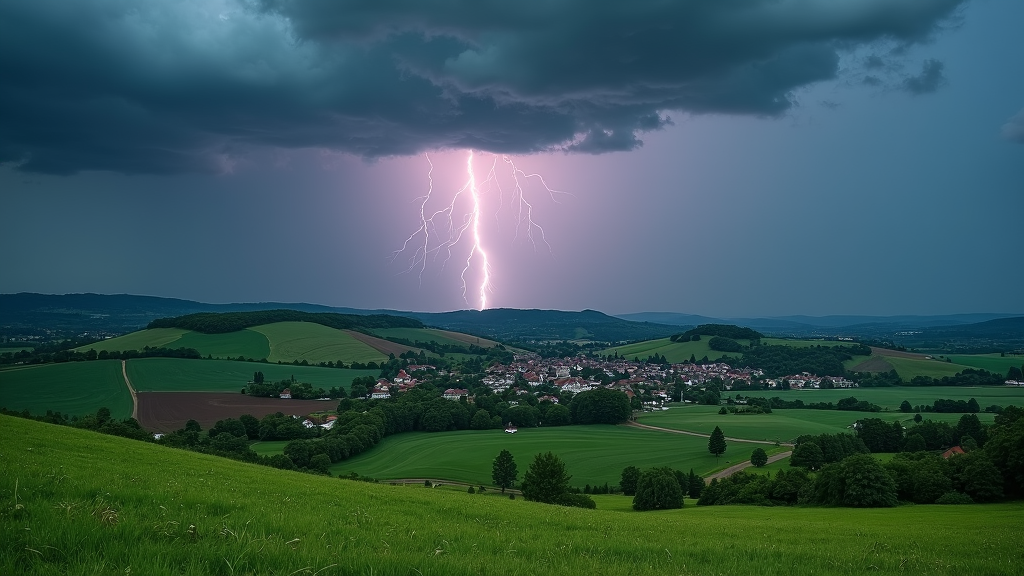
[(728, 159)]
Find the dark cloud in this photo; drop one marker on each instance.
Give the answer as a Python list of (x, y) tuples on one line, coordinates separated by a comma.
[(1013, 130), (929, 80), (873, 62), (190, 85), (872, 80)]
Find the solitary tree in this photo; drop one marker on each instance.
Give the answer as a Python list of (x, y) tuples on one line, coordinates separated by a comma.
[(716, 444), (807, 455), (657, 490), (905, 407), (630, 475), (546, 480), (504, 472), (758, 457)]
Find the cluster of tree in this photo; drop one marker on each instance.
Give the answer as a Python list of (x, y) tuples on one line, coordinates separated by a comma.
[(223, 322), (723, 330), (876, 379), (723, 344), (547, 481), (947, 406), (851, 404), (600, 406), (969, 377), (760, 489), (299, 390), (660, 488), (38, 356), (813, 452), (783, 360)]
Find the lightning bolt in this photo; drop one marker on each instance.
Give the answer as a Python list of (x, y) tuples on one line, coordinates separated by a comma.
[(432, 224)]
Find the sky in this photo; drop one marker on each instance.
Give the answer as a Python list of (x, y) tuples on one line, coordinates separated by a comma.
[(748, 158)]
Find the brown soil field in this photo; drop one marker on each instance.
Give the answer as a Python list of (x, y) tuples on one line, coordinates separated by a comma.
[(381, 345), (168, 411), (873, 364), (897, 353)]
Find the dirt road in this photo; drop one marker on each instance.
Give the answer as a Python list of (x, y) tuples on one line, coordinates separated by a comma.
[(131, 390), (660, 429), (736, 468)]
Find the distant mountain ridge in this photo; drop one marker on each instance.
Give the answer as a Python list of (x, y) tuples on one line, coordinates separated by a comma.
[(111, 314)]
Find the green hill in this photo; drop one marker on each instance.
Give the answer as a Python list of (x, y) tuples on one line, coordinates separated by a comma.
[(281, 341), (76, 502), (74, 388)]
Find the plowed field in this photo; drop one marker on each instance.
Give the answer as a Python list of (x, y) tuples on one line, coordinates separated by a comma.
[(168, 411)]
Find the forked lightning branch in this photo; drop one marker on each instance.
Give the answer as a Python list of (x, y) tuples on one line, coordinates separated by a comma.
[(460, 223)]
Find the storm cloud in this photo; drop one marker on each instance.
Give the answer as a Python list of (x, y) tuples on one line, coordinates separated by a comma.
[(167, 87)]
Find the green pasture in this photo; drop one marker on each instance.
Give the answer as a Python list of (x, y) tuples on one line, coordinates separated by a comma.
[(154, 338), (991, 362), (13, 349), (430, 335), (892, 397), (185, 375), (269, 448), (314, 343), (74, 388), (76, 502), (910, 368), (780, 425), (673, 351), (246, 343), (593, 454)]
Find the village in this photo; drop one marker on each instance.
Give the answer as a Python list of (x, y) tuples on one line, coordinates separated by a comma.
[(650, 386)]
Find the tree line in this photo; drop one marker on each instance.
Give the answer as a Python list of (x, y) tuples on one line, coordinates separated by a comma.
[(224, 322), (59, 356)]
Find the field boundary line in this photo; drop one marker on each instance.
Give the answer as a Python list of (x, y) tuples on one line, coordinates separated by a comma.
[(131, 390), (660, 429), (742, 465)]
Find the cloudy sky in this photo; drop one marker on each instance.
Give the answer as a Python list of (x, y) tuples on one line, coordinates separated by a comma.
[(755, 157)]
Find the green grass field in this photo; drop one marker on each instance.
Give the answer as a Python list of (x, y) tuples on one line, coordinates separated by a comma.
[(780, 425), (892, 397), (269, 448), (673, 351), (154, 338), (76, 502), (593, 454), (991, 362), (180, 375), (245, 343), (13, 349), (431, 334), (315, 343), (74, 388)]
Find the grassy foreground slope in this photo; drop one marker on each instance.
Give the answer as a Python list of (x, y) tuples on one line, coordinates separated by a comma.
[(74, 388), (76, 502)]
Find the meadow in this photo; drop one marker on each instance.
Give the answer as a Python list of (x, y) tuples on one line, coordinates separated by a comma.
[(74, 388), (278, 342), (181, 375), (892, 397), (76, 502), (780, 425), (592, 454), (433, 334), (314, 343), (991, 362)]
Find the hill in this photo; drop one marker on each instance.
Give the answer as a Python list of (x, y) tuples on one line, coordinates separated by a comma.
[(277, 342), (508, 324), (76, 502)]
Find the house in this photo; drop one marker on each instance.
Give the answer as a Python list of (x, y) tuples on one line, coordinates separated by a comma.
[(286, 393), (402, 377), (380, 392), (952, 451), (511, 429), (455, 393), (308, 423)]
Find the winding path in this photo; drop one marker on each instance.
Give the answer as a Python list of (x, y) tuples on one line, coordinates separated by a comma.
[(660, 429), (131, 390), (737, 467)]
